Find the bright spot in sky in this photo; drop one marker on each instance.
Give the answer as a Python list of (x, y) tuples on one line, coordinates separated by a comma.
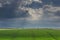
[(38, 1), (0, 4)]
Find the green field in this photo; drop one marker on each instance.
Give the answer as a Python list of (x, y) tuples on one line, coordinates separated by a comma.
[(30, 34)]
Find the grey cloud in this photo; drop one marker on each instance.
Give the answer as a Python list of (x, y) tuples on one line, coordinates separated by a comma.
[(34, 5), (57, 13), (51, 16)]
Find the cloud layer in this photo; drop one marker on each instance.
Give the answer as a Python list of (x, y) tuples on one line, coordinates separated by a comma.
[(38, 13)]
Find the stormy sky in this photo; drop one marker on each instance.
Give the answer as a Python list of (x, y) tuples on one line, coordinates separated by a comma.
[(30, 13)]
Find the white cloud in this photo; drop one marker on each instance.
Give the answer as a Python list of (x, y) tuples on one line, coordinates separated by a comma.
[(38, 1), (51, 10), (0, 4), (36, 14)]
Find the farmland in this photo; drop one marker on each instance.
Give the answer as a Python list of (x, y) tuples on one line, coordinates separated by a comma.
[(30, 34)]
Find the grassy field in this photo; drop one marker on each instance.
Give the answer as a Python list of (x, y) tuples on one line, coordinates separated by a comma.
[(30, 34)]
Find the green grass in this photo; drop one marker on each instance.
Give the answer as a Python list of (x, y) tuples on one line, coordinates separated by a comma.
[(30, 34)]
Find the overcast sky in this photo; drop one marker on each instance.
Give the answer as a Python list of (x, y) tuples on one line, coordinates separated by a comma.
[(30, 13)]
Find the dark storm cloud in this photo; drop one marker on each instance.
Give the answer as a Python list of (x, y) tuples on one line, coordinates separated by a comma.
[(46, 1), (8, 10), (55, 2), (22, 14)]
